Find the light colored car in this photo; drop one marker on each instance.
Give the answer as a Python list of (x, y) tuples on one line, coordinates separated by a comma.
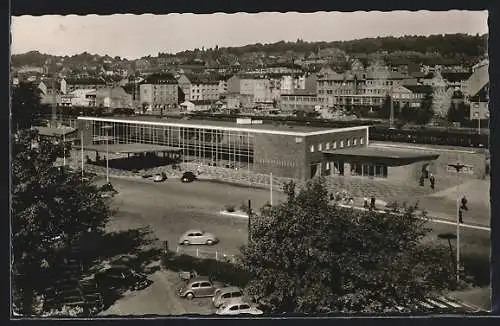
[(237, 307), (197, 237), (198, 287), (160, 177), (225, 295)]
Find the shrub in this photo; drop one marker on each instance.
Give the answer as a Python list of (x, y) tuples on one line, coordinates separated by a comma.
[(230, 208)]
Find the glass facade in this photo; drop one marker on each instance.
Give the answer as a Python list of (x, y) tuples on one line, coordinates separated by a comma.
[(369, 170), (225, 148)]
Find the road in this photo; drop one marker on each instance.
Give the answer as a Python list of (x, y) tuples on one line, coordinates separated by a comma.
[(172, 207)]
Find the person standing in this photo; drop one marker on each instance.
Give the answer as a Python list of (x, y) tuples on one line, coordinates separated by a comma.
[(432, 180)]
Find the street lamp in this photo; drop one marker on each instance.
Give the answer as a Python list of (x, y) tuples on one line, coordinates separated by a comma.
[(107, 127), (458, 167)]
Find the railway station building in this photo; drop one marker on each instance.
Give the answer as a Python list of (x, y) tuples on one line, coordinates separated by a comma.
[(299, 152)]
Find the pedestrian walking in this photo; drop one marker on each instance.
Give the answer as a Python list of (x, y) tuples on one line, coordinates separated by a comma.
[(460, 215), (421, 181), (365, 203), (432, 180), (372, 202), (464, 204)]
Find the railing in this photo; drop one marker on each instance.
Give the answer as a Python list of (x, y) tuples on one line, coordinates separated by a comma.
[(205, 253)]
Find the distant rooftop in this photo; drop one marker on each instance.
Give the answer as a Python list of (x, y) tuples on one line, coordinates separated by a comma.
[(225, 125)]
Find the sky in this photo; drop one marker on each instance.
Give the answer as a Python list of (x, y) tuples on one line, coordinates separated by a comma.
[(135, 36)]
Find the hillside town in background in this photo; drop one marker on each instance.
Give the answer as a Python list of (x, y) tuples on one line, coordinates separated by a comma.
[(337, 80)]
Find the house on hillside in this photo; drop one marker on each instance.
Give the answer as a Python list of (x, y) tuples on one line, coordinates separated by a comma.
[(84, 83), (478, 86)]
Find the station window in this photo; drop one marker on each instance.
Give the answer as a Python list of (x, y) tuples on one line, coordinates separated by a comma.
[(334, 144), (354, 141), (327, 146), (341, 144), (320, 147), (312, 148), (361, 140), (348, 142)]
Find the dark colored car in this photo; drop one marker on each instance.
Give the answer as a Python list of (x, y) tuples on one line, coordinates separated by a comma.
[(188, 177), (121, 277)]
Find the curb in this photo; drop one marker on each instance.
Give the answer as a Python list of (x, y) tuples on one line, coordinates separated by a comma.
[(239, 215), (431, 218)]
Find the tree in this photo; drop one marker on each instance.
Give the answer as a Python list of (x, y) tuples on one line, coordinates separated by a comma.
[(425, 112), (52, 208), (307, 255), (25, 106)]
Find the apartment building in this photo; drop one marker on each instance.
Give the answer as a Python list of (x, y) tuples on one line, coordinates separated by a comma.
[(159, 92), (360, 88)]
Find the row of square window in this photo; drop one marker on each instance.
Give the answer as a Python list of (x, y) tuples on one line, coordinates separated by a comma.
[(334, 144), (277, 162)]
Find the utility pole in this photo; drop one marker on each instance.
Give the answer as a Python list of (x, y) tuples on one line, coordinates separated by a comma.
[(391, 117), (249, 220), (458, 167), (271, 188), (54, 101)]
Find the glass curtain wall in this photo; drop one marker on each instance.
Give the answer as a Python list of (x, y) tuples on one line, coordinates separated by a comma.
[(223, 148)]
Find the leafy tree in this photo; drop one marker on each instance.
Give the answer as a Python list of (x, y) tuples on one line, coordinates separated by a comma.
[(47, 201), (52, 207), (26, 109), (425, 111), (307, 255)]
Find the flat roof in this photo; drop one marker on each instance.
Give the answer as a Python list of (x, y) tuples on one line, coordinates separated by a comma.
[(48, 131), (291, 130), (129, 148), (394, 156)]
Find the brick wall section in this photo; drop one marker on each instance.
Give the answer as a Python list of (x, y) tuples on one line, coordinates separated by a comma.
[(315, 140), (282, 155)]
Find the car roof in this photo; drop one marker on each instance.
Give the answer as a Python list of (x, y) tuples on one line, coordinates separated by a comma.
[(229, 289), (200, 279), (237, 301)]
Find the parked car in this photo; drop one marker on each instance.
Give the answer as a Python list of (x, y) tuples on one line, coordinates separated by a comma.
[(225, 295), (197, 237), (188, 177), (121, 277), (237, 307), (187, 275), (160, 177), (198, 287)]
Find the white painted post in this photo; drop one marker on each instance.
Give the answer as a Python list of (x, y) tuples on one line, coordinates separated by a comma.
[(216, 258), (81, 145), (271, 188), (197, 252)]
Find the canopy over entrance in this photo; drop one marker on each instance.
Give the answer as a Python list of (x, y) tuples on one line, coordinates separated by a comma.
[(130, 148), (375, 155)]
